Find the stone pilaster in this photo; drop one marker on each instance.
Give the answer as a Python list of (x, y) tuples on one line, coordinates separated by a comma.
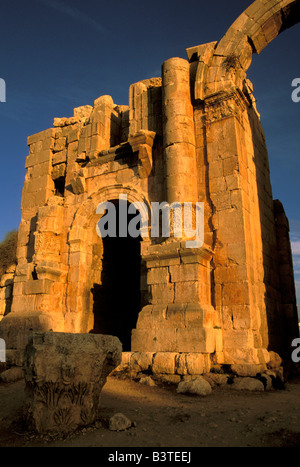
[(238, 260)]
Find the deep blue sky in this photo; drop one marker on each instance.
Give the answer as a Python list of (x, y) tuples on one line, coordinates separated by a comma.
[(59, 54)]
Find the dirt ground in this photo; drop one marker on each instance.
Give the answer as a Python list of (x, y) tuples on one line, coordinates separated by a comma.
[(163, 418)]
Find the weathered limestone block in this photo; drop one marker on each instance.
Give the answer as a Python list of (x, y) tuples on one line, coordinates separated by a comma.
[(204, 340), (145, 106), (162, 293), (192, 363), (78, 185), (141, 361), (60, 144), (103, 129), (64, 375), (158, 276), (248, 384), (248, 370), (83, 112), (197, 363), (164, 362), (60, 157)]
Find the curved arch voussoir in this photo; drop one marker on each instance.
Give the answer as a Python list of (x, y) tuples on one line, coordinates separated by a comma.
[(252, 31), (88, 209)]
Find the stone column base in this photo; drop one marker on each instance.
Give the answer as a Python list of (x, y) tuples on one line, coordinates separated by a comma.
[(177, 327), (175, 366)]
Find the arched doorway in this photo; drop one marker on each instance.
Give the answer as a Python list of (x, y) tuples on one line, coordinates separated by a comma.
[(85, 307), (117, 299)]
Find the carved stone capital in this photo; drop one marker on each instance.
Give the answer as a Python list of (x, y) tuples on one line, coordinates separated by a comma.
[(64, 375), (225, 105)]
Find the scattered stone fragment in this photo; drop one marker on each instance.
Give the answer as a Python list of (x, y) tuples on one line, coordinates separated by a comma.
[(119, 422), (147, 380), (213, 425), (267, 381), (11, 375), (215, 379), (198, 386), (275, 360), (169, 379)]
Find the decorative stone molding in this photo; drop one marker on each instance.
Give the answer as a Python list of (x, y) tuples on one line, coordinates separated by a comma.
[(225, 105), (142, 143)]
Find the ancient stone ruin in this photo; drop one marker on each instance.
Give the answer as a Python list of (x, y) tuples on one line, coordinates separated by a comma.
[(192, 135)]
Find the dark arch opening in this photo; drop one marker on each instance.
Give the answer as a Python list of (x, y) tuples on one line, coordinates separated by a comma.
[(117, 299)]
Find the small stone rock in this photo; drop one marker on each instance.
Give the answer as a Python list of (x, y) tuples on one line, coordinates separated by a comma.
[(267, 381), (11, 375), (198, 386), (275, 360), (147, 380), (169, 379), (248, 384), (215, 379), (119, 422), (213, 425)]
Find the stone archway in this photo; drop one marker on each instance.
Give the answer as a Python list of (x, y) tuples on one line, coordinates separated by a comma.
[(87, 289)]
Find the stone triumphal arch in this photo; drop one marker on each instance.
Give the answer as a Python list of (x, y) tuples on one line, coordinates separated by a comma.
[(191, 135)]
